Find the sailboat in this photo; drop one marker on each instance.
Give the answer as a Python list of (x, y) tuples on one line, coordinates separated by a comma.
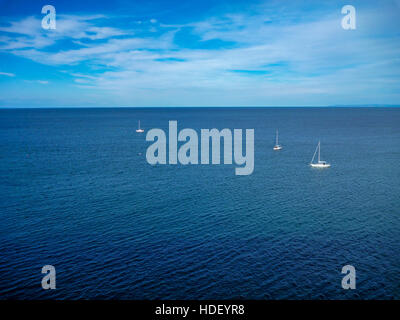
[(320, 163), (138, 129), (277, 146)]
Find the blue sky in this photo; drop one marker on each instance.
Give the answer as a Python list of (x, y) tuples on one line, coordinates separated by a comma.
[(199, 53)]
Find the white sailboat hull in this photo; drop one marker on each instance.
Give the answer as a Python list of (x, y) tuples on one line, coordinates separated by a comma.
[(320, 165), (277, 148)]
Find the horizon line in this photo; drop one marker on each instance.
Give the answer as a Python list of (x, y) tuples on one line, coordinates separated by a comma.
[(176, 107)]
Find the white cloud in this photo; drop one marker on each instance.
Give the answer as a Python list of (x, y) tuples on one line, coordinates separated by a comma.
[(303, 62), (7, 74), (37, 81), (28, 33)]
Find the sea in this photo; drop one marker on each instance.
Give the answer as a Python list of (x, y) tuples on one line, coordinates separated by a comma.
[(77, 193)]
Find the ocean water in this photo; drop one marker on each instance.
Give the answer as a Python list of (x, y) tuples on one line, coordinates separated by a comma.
[(77, 193)]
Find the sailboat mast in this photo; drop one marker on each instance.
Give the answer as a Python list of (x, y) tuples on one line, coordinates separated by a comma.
[(315, 152), (139, 124), (319, 150), (276, 137)]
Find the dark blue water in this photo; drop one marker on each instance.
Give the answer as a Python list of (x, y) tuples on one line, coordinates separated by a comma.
[(76, 194)]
